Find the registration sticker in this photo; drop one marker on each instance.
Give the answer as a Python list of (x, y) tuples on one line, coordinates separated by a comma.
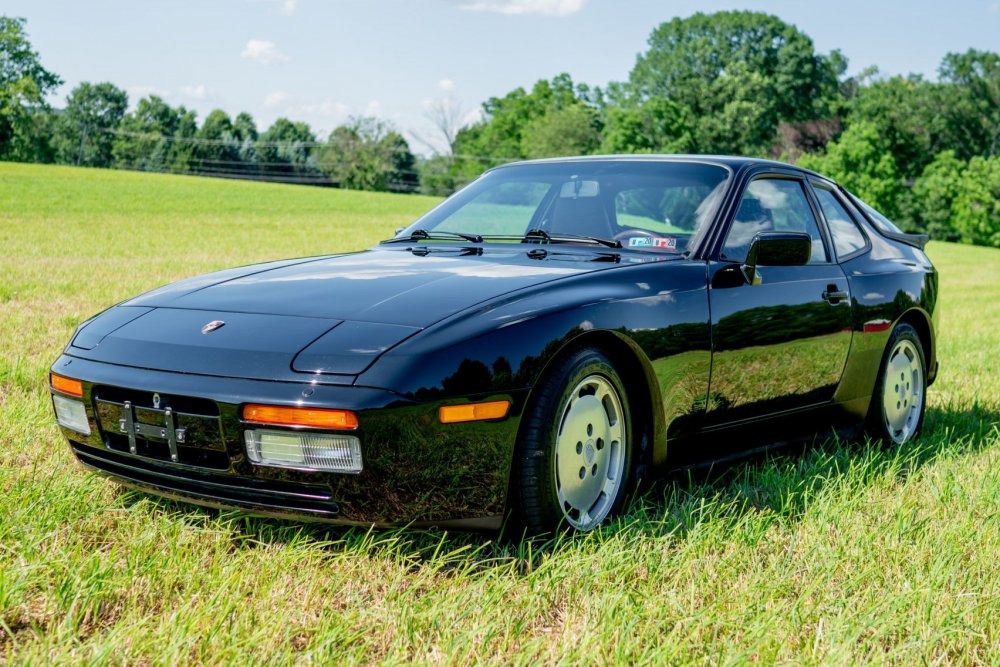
[(640, 242), (669, 244)]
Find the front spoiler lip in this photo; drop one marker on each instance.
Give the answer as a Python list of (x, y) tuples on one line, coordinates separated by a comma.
[(275, 511), (471, 493)]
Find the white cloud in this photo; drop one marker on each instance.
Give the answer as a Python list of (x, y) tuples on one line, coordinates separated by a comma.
[(447, 85), (263, 51), (275, 99), (198, 93), (374, 108), (543, 7)]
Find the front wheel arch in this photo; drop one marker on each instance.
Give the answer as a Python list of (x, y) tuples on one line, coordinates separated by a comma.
[(642, 389)]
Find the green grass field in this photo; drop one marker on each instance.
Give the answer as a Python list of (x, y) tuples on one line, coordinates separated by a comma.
[(846, 554)]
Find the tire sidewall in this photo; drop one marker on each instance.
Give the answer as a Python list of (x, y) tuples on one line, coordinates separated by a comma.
[(877, 422), (560, 384)]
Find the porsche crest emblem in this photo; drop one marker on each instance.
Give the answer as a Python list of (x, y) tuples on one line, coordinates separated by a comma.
[(212, 326)]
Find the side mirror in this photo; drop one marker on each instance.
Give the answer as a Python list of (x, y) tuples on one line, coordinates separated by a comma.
[(776, 249)]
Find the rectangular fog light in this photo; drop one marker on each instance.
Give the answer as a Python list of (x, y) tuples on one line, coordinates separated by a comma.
[(304, 450), (71, 414)]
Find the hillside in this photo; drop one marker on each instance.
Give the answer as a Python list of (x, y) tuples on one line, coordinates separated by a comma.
[(847, 553)]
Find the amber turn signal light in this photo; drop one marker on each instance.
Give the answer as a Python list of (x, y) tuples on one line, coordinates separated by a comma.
[(66, 385), (470, 412), (316, 417)]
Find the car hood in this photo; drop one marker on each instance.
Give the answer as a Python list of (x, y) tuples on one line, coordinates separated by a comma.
[(387, 286), (332, 316)]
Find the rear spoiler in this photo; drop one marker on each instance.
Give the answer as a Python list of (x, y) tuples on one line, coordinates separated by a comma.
[(915, 240)]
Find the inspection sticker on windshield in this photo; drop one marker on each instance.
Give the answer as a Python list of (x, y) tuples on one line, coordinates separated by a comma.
[(640, 242), (669, 244)]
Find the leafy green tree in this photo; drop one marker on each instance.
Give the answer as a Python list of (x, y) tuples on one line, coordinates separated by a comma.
[(654, 126), (959, 201), (85, 129), (571, 130), (245, 131), (905, 111), (24, 83), (977, 204), (244, 127), (217, 127), (155, 137), (745, 123), (140, 143), (932, 198), (217, 148), (971, 107), (919, 118), (500, 136), (720, 67), (180, 149), (860, 160), (367, 154), (439, 175), (34, 138), (286, 148)]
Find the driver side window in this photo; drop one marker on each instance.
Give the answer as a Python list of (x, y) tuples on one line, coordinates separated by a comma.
[(772, 204)]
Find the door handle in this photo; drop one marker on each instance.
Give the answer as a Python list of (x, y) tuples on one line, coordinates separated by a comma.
[(834, 295)]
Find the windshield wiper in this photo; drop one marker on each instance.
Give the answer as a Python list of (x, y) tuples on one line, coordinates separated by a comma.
[(423, 251), (556, 238), (423, 235), (595, 256)]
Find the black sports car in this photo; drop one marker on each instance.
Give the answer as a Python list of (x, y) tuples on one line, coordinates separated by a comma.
[(535, 345)]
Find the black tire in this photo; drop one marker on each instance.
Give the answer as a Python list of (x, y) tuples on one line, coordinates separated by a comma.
[(896, 416), (567, 401)]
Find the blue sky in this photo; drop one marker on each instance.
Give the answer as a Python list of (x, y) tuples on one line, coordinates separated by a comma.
[(322, 61)]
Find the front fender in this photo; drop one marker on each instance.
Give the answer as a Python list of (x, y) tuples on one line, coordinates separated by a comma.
[(659, 313)]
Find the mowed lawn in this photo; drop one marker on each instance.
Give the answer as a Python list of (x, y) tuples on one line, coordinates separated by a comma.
[(846, 553)]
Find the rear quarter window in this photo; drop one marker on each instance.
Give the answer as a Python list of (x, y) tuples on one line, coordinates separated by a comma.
[(881, 223), (847, 237)]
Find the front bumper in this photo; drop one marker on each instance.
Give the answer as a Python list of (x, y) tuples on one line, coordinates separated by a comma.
[(416, 470)]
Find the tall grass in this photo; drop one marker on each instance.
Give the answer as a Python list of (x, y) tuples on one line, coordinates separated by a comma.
[(846, 553)]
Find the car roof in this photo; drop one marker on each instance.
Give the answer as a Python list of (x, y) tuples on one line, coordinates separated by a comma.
[(734, 162)]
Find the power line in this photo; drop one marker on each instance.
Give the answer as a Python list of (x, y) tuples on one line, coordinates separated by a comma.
[(257, 143)]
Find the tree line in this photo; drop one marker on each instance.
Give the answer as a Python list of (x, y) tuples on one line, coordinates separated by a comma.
[(924, 152), (95, 128)]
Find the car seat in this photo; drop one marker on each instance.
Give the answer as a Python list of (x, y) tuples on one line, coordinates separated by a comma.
[(584, 216)]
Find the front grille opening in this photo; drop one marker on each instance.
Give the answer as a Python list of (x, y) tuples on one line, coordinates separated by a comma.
[(160, 451), (144, 399)]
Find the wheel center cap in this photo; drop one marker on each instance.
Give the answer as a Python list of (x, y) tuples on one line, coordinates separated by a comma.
[(590, 451)]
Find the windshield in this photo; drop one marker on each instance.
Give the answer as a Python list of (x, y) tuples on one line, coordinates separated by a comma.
[(647, 206)]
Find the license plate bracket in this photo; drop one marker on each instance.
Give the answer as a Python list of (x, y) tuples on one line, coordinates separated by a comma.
[(166, 432)]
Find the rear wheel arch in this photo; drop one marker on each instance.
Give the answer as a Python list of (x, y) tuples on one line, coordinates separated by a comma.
[(920, 321)]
